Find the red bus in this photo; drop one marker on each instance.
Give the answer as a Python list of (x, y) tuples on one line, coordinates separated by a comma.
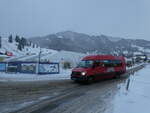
[(99, 67)]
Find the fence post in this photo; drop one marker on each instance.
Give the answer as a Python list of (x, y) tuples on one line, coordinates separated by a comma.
[(128, 83), (6, 67)]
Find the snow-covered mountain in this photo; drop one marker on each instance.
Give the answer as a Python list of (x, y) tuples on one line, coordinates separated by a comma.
[(79, 42), (30, 53)]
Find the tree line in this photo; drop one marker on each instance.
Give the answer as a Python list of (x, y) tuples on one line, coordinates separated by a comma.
[(21, 42)]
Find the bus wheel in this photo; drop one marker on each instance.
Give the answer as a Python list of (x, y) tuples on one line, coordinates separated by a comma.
[(117, 76), (90, 80)]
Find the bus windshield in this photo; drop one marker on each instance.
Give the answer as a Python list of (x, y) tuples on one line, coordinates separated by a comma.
[(85, 64)]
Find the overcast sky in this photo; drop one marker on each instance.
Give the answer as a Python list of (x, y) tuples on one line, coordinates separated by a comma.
[(121, 18)]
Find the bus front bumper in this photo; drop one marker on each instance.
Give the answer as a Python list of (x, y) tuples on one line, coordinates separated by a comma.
[(79, 78)]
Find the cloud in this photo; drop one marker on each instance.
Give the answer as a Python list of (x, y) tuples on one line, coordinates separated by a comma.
[(124, 18)]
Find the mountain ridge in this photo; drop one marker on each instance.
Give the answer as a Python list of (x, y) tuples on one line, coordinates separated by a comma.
[(81, 42)]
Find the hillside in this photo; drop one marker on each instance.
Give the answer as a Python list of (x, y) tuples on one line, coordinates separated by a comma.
[(30, 53), (26, 53), (79, 42)]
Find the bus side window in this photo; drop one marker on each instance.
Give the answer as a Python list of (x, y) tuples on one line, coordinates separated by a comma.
[(120, 63), (97, 63), (117, 63), (108, 63), (114, 63), (102, 64)]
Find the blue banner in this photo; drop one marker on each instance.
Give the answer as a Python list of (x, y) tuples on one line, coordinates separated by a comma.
[(2, 67), (13, 67), (30, 67), (49, 68)]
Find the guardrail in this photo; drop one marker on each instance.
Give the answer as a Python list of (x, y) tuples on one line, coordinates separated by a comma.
[(132, 70)]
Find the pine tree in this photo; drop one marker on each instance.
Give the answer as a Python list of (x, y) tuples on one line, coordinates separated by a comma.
[(10, 39), (0, 42), (23, 41), (17, 39), (19, 46), (33, 45), (22, 46)]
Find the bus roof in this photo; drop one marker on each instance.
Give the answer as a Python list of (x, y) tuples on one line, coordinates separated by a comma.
[(103, 57)]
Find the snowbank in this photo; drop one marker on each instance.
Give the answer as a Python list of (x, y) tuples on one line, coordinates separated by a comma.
[(5, 77), (136, 98)]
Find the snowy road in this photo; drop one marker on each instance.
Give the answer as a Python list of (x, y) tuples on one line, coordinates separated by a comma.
[(15, 95), (112, 96), (64, 96)]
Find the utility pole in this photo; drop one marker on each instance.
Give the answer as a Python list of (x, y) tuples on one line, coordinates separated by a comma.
[(0, 42), (40, 55), (38, 62)]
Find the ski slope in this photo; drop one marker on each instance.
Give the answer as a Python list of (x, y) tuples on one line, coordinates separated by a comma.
[(27, 53)]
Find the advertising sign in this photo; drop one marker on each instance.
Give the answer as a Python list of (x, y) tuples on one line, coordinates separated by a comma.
[(49, 68), (13, 67), (28, 68), (2, 67)]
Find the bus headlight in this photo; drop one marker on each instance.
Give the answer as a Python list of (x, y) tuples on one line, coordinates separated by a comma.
[(83, 73)]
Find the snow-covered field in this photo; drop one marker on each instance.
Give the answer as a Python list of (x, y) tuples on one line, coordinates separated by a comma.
[(65, 56), (141, 48), (5, 77), (137, 98)]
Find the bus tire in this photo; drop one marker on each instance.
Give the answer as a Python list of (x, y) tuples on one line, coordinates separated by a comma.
[(117, 76), (90, 80)]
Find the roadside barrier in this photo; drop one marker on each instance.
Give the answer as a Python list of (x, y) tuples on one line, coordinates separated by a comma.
[(30, 67), (2, 66)]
